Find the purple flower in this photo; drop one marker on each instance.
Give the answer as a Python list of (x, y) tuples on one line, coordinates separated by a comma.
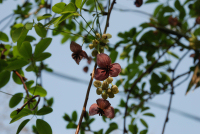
[(138, 3), (78, 53), (102, 107), (106, 68)]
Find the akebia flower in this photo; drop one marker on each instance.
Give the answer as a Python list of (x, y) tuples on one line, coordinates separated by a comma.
[(173, 21), (102, 107), (138, 3), (78, 53), (106, 68)]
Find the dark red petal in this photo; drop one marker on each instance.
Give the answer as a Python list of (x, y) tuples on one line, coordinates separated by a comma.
[(85, 69), (103, 60), (138, 3), (84, 54), (115, 70), (77, 58), (109, 112), (192, 55), (93, 109), (103, 104), (100, 74), (89, 60), (74, 47)]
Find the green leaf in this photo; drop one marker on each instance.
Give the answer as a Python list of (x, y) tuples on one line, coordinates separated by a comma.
[(133, 129), (29, 26), (43, 127), (29, 84), (17, 64), (45, 16), (151, 1), (40, 30), (59, 7), (15, 100), (38, 90), (42, 56), (16, 34), (22, 37), (4, 37), (122, 103), (82, 4), (24, 112), (70, 8), (71, 125), (74, 116), (143, 132), (21, 126), (113, 55), (41, 46), (44, 111), (149, 114), (50, 102), (66, 117), (197, 31), (78, 3), (144, 123), (4, 78), (13, 114), (29, 38), (173, 54), (64, 17), (112, 127), (181, 9), (3, 65), (25, 50)]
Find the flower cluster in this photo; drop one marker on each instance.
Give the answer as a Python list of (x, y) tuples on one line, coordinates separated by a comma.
[(99, 43), (173, 21), (104, 90), (102, 107)]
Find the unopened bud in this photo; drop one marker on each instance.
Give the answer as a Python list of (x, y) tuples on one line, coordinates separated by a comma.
[(105, 85), (114, 89), (98, 35), (108, 90), (109, 36), (101, 49), (97, 83), (109, 79), (94, 53), (104, 95), (99, 91), (111, 95), (104, 36), (91, 46), (95, 42)]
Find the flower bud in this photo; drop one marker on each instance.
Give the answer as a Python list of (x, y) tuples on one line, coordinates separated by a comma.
[(105, 85), (97, 83), (101, 49), (114, 89), (109, 90), (104, 95), (109, 79), (91, 46), (94, 53), (95, 42), (104, 36), (98, 35), (99, 91), (111, 95), (109, 36)]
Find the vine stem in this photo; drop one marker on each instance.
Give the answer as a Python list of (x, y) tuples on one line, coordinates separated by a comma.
[(92, 76), (135, 83), (172, 92)]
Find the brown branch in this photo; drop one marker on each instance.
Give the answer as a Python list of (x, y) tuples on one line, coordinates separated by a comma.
[(148, 70), (28, 102), (92, 76), (22, 80), (108, 16), (2, 54)]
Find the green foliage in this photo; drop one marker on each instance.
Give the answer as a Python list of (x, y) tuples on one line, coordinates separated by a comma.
[(112, 127), (41, 46), (38, 90), (4, 78), (45, 16), (17, 64), (44, 111), (40, 30), (74, 116), (4, 37), (22, 125), (43, 127), (25, 50), (24, 112), (15, 100)]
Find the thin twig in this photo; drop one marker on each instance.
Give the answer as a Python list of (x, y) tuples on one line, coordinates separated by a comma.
[(172, 91), (91, 80), (135, 83)]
